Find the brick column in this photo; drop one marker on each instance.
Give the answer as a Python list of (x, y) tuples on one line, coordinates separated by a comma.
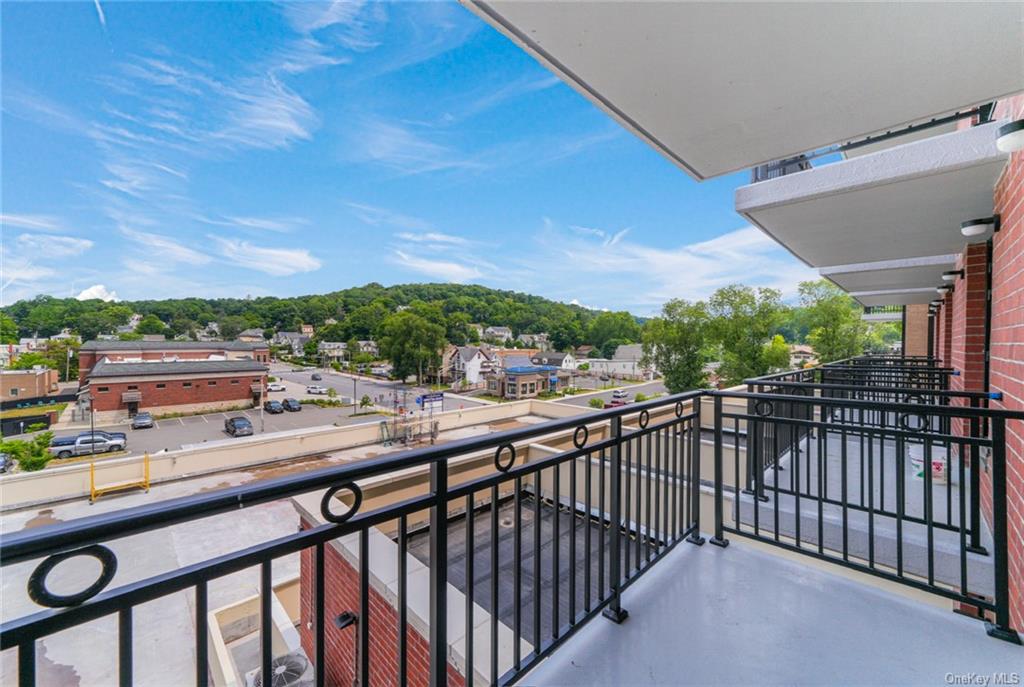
[(944, 339), (967, 353), (1007, 347), (915, 330)]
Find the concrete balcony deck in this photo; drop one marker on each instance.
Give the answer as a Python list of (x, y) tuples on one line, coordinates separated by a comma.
[(740, 615)]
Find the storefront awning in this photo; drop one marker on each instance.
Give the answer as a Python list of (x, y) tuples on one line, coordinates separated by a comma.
[(719, 87)]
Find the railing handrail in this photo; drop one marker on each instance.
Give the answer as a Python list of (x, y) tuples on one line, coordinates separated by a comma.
[(980, 395), (58, 537)]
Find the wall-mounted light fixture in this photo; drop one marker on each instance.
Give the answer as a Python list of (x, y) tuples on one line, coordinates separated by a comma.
[(952, 275), (1011, 137), (935, 303), (944, 290), (979, 226)]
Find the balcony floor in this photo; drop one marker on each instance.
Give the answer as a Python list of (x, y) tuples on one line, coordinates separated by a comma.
[(743, 616)]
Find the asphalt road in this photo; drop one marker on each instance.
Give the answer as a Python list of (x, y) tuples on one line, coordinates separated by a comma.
[(656, 387), (383, 392)]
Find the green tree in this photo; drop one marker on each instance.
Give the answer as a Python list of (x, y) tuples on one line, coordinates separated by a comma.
[(365, 401), (151, 324), (833, 317), (610, 346), (566, 334), (612, 325), (743, 320), (776, 354), (26, 361), (411, 343), (231, 326), (675, 344), (596, 403), (8, 329)]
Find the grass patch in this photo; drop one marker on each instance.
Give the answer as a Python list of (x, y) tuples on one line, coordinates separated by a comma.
[(324, 402), (36, 410), (232, 409), (489, 397)]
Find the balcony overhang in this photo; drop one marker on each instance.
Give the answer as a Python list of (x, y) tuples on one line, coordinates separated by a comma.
[(904, 202), (909, 273), (895, 297), (719, 87)]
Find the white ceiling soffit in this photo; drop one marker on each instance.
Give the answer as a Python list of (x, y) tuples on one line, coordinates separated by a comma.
[(891, 274), (720, 87), (904, 202), (895, 297)]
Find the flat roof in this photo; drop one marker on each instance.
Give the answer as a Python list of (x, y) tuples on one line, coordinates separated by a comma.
[(720, 87), (105, 368), (171, 345)]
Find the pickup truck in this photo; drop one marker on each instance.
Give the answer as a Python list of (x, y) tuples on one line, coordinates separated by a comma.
[(84, 444)]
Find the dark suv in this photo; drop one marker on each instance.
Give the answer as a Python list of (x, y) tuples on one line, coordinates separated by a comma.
[(273, 407), (291, 405), (238, 426)]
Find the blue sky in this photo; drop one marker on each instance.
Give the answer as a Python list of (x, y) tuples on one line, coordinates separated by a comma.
[(229, 149)]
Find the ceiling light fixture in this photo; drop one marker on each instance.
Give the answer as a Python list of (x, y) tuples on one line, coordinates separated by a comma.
[(973, 228), (1011, 137), (952, 275)]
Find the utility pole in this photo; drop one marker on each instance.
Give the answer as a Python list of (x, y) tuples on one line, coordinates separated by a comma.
[(354, 391)]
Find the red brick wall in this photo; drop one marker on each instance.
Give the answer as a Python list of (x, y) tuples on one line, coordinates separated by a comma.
[(88, 359), (174, 392), (1007, 359), (968, 314), (342, 594), (944, 339)]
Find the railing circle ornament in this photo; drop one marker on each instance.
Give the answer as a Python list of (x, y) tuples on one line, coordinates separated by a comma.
[(38, 592), (914, 398), (764, 408), (339, 518), (576, 440), (679, 408), (505, 467), (914, 422), (644, 418)]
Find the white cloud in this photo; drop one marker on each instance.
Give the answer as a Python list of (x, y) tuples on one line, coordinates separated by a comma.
[(165, 247), (47, 246), (34, 222), (439, 269), (279, 224), (278, 262), (432, 237), (377, 216), (405, 151), (97, 291), (99, 13)]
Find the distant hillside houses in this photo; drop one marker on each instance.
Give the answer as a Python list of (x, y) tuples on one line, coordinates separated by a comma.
[(295, 341), (498, 333), (254, 335), (338, 350), (566, 361), (535, 341)]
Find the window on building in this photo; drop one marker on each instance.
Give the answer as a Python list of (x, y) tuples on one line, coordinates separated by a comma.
[(161, 386), (533, 387), (234, 381), (211, 383), (14, 392), (102, 389), (522, 388), (133, 387), (187, 385)]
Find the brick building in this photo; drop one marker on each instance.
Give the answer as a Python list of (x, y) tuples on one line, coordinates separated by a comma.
[(22, 384), (124, 377)]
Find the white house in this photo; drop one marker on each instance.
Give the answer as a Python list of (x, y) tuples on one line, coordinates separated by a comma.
[(498, 333), (466, 363), (566, 361)]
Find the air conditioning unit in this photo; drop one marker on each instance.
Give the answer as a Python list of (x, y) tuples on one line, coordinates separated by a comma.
[(290, 670)]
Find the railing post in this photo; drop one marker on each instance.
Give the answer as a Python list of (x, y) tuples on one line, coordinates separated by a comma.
[(615, 612), (439, 575), (1000, 629), (719, 538), (975, 494), (694, 476)]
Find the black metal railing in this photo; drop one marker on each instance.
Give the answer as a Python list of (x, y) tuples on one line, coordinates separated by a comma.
[(883, 310), (883, 487), (586, 522)]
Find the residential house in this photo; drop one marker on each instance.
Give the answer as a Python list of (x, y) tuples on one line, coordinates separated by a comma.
[(211, 332), (464, 364), (498, 334), (369, 346), (508, 357), (479, 329), (535, 341), (800, 355), (566, 361), (253, 335), (66, 335), (306, 329), (130, 326), (330, 321), (626, 363), (32, 343), (332, 351), (583, 351), (294, 341)]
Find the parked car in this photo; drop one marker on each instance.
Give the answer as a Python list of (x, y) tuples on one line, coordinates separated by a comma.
[(604, 378), (275, 386), (316, 377), (273, 407), (615, 404), (142, 420), (6, 463), (238, 427), (84, 444), (619, 393), (291, 405), (316, 389)]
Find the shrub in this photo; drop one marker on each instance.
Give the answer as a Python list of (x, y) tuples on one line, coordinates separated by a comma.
[(596, 403), (365, 401), (271, 379), (331, 392), (36, 427), (640, 397), (31, 455)]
